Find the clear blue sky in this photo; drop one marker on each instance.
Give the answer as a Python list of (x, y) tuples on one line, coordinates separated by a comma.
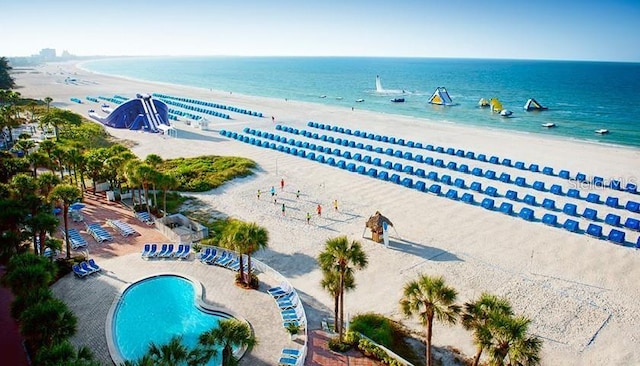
[(542, 29)]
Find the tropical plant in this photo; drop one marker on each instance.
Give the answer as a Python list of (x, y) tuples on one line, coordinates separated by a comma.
[(28, 272), (166, 182), (331, 283), (342, 257), (6, 81), (173, 353), (59, 117), (45, 322), (508, 343), (48, 101), (229, 333), (249, 238), (154, 161), (476, 316), (64, 354), (428, 298), (66, 194)]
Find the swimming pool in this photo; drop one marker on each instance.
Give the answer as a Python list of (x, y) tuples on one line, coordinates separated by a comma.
[(154, 310)]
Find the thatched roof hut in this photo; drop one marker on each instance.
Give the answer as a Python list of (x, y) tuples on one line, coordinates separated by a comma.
[(375, 222)]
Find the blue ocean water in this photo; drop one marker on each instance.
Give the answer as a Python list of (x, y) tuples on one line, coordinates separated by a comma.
[(581, 96)]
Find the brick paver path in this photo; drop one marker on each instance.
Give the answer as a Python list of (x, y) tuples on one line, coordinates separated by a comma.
[(319, 353)]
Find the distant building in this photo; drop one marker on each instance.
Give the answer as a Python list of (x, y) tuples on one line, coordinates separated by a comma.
[(48, 54)]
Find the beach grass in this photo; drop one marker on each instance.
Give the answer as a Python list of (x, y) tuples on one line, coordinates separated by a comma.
[(203, 173)]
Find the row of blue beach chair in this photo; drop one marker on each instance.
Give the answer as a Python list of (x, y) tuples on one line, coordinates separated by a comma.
[(432, 175), (99, 233), (75, 239), (503, 177), (289, 304), (223, 258), (167, 250), (85, 268), (407, 182), (291, 357), (210, 104), (614, 184)]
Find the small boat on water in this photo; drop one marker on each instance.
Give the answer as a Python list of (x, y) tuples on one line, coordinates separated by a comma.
[(359, 100), (323, 96), (397, 100), (602, 131), (338, 98), (505, 113), (483, 103), (548, 125)]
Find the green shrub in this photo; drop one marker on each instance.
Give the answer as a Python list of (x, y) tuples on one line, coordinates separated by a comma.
[(374, 326), (204, 173), (337, 346)]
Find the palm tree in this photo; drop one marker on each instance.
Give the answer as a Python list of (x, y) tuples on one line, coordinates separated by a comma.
[(166, 182), (476, 316), (78, 163), (63, 353), (154, 161), (173, 353), (342, 257), (509, 343), (37, 160), (428, 298), (45, 322), (250, 238), (331, 282), (48, 100), (67, 194), (145, 174), (229, 333), (59, 117)]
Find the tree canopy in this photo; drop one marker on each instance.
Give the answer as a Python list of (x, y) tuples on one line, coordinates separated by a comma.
[(6, 81)]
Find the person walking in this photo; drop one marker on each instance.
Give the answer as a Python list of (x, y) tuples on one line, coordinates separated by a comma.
[(308, 218), (298, 194), (275, 199), (283, 208), (282, 184), (259, 194), (319, 209), (273, 191), (335, 205)]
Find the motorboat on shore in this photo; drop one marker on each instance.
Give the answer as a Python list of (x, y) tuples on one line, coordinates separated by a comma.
[(602, 131), (397, 100), (359, 100), (548, 125)]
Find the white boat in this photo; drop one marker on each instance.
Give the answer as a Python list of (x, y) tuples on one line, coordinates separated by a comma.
[(548, 125), (338, 98), (359, 100), (505, 113), (602, 131), (323, 96)]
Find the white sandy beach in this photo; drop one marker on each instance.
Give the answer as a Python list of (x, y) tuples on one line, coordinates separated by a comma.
[(582, 293)]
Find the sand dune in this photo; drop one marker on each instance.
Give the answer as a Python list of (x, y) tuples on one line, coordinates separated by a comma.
[(581, 292)]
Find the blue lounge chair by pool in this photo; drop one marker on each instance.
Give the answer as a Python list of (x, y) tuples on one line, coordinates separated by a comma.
[(573, 193), (530, 200), (476, 186), (467, 198), (632, 206), (527, 214), (564, 174), (547, 170), (616, 236), (490, 174), (506, 208), (94, 266), (512, 195), (420, 186), (550, 219), (556, 189), (488, 204), (519, 165), (521, 182), (435, 189), (163, 250), (580, 177), (463, 168), (477, 172), (570, 209), (494, 160), (534, 168), (146, 250), (571, 225), (590, 213), (154, 251), (505, 178), (612, 202), (631, 223), (631, 188), (598, 182), (459, 182), (179, 251), (85, 267), (594, 230), (287, 361), (446, 179), (506, 162), (79, 271), (612, 219), (290, 352), (169, 252), (452, 194), (491, 191), (615, 184), (593, 198), (549, 204), (482, 157), (538, 186)]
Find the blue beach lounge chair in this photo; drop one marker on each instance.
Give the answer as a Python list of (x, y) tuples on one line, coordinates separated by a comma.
[(79, 271), (92, 264)]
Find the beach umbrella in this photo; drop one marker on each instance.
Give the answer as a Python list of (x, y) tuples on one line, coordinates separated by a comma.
[(77, 206)]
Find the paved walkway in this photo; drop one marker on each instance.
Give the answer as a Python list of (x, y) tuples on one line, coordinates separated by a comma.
[(319, 353)]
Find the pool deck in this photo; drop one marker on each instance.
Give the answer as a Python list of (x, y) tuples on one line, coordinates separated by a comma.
[(91, 298)]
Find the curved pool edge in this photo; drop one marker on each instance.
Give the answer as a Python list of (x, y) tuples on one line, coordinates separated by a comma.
[(198, 287)]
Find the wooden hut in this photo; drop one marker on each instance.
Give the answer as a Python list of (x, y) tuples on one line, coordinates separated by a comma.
[(375, 224)]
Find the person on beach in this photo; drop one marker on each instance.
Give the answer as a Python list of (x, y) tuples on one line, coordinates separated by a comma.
[(298, 194), (273, 191), (319, 209), (283, 208), (259, 194), (308, 218), (273, 119), (275, 199), (335, 204), (282, 184)]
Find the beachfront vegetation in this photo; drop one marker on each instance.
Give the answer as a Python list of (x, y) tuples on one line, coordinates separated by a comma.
[(430, 298), (246, 239), (341, 257), (204, 173), (66, 194), (229, 333), (6, 81)]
